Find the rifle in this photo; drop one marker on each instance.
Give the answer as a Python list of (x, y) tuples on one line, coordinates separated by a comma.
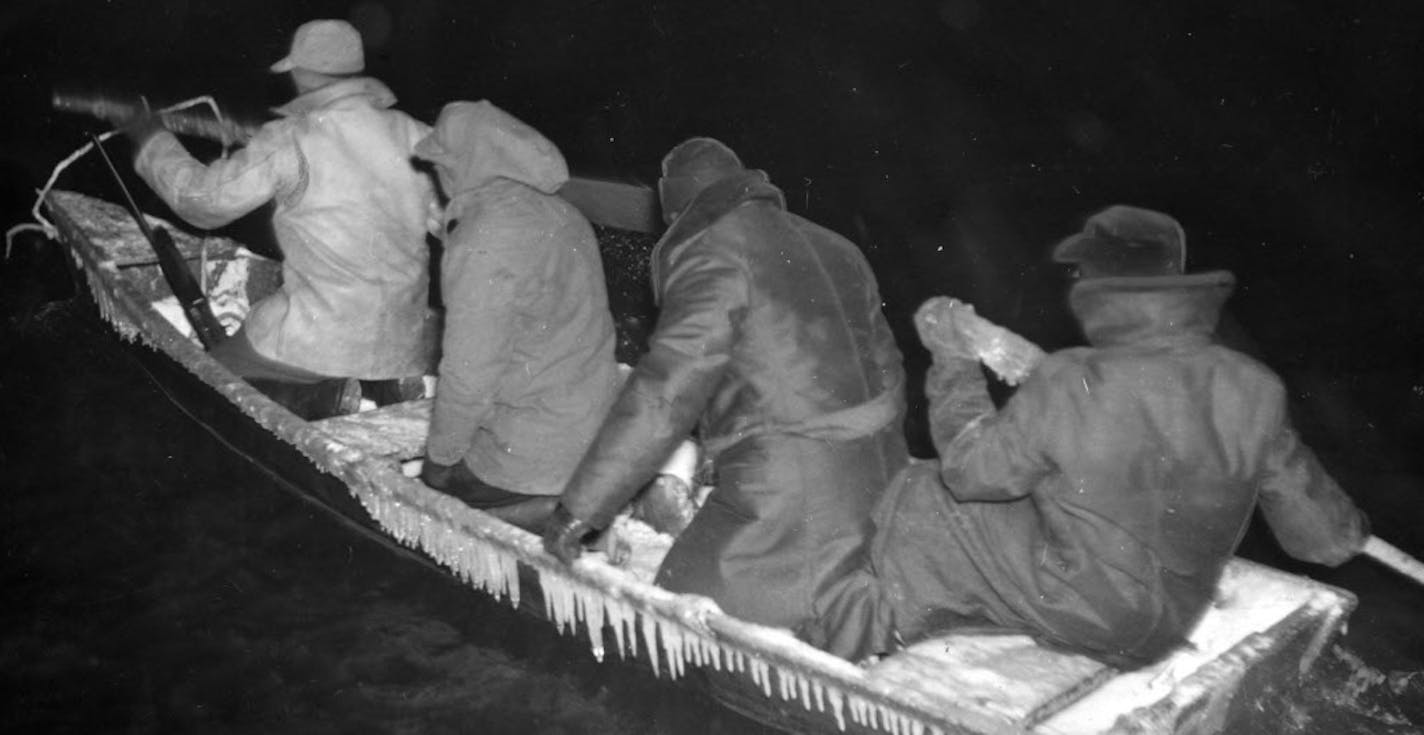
[(175, 270), (119, 112)]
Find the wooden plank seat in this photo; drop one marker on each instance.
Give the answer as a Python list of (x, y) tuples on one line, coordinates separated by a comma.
[(1008, 674), (396, 431)]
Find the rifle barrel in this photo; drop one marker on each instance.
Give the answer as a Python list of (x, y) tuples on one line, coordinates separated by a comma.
[(118, 112)]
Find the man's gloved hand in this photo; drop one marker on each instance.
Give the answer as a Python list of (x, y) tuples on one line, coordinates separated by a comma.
[(939, 331), (564, 534), (436, 475)]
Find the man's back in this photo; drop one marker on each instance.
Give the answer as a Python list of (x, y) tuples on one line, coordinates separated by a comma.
[(811, 338), (352, 230), (803, 425), (350, 218)]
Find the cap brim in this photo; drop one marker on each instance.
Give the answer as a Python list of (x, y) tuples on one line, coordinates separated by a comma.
[(428, 149), (1069, 249), (284, 65)]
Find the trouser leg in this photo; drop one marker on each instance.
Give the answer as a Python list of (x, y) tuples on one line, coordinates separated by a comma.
[(307, 394), (395, 390), (526, 511), (853, 619), (311, 401)]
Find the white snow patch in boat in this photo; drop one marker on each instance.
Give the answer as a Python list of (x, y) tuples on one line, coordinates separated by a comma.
[(226, 282)]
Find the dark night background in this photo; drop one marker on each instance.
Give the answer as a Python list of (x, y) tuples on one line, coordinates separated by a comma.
[(154, 584)]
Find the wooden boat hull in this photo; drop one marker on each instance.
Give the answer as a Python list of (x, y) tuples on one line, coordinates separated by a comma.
[(1268, 631)]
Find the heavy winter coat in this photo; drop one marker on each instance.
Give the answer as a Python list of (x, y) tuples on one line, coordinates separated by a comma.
[(350, 217), (527, 370), (1099, 507), (771, 343)]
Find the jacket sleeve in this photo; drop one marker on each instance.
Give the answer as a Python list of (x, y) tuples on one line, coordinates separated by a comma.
[(416, 131), (212, 195), (704, 293), (987, 455), (1310, 516), (885, 353), (483, 276)]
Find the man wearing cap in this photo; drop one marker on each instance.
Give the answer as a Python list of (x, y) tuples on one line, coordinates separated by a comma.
[(1098, 507), (770, 341), (527, 370), (350, 216)]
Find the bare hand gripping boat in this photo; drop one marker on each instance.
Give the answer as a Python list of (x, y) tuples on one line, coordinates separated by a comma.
[(1262, 634)]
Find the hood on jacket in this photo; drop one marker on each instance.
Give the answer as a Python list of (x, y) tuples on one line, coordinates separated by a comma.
[(474, 143), (1150, 310)]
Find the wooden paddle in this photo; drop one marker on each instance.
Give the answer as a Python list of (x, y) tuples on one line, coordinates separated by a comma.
[(1387, 554)]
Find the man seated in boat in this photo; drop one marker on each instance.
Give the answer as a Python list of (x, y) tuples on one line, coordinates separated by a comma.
[(527, 371), (351, 215), (771, 341), (1098, 507)]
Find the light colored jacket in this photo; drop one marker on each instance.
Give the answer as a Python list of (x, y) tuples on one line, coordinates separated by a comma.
[(351, 217), (527, 370)]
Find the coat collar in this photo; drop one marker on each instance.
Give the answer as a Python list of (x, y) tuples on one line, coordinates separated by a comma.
[(379, 94), (1162, 310), (710, 205)]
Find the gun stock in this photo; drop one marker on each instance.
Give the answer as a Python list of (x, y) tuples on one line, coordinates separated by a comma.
[(175, 270)]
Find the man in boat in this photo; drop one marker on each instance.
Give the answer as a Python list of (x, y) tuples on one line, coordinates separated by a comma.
[(1098, 507), (350, 216), (770, 341), (527, 371)]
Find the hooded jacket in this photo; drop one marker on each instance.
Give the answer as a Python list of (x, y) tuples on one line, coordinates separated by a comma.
[(1099, 507), (527, 370), (770, 342), (350, 218)]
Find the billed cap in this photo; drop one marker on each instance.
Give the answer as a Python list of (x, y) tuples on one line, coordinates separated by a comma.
[(326, 47)]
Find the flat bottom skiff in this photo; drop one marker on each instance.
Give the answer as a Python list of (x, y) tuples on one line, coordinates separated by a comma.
[(1263, 633)]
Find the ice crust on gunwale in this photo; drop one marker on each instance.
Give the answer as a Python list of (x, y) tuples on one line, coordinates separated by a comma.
[(680, 630)]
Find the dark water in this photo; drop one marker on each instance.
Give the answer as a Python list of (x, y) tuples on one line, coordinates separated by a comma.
[(155, 582)]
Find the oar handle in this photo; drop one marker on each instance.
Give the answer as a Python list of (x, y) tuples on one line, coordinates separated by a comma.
[(1390, 556)]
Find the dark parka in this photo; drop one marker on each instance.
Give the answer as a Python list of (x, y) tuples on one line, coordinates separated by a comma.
[(1099, 507), (770, 342)]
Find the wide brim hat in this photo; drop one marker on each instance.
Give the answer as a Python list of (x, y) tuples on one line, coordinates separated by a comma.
[(1126, 241)]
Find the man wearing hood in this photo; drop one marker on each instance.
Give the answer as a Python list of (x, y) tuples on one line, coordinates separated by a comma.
[(770, 342), (1098, 507), (527, 370), (350, 216)]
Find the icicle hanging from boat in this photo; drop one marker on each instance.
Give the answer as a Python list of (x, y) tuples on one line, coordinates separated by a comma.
[(108, 309), (476, 560), (671, 644)]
